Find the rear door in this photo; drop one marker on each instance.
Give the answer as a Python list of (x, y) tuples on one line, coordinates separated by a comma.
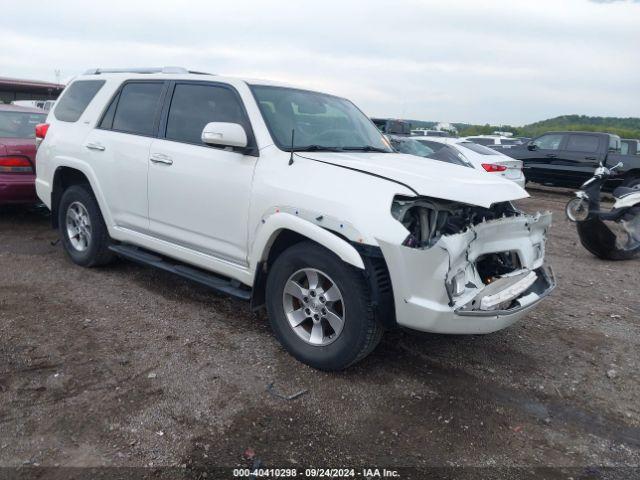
[(198, 194), (581, 155), (120, 150)]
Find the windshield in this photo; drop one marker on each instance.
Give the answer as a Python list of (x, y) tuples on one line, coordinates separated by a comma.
[(19, 124), (318, 121)]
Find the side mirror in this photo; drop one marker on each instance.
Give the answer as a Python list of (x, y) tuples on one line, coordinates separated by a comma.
[(224, 133), (532, 147)]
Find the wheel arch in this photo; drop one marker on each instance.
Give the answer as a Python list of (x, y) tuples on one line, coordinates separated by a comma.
[(63, 178), (631, 175), (367, 258)]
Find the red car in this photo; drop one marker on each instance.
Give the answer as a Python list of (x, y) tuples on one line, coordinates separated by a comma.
[(18, 153)]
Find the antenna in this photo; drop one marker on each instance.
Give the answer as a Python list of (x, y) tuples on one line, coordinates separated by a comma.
[(293, 132)]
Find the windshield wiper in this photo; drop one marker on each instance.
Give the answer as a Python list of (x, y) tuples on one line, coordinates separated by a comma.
[(367, 148), (316, 148)]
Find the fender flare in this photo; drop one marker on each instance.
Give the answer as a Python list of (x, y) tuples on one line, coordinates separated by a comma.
[(274, 224), (93, 183)]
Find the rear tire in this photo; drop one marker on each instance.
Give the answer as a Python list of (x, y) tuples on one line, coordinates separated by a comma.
[(353, 339), (83, 232)]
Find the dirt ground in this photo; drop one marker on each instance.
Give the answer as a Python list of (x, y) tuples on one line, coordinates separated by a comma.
[(127, 366)]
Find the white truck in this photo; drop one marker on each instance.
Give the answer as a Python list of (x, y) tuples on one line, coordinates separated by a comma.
[(288, 198)]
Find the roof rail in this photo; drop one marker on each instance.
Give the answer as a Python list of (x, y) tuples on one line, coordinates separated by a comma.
[(173, 70)]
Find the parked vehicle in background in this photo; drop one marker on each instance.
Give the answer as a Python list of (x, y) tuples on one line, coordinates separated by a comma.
[(495, 141), (441, 152), (430, 133), (392, 126), (478, 156), (609, 234), (17, 153), (568, 159), (292, 199), (39, 104), (630, 146)]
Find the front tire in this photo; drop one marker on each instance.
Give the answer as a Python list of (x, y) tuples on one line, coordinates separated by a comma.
[(83, 232), (320, 308)]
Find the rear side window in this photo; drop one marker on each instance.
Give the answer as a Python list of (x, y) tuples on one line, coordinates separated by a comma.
[(583, 143), (76, 98), (624, 148), (548, 142), (193, 106), (481, 149), (137, 108), (410, 146), (435, 146)]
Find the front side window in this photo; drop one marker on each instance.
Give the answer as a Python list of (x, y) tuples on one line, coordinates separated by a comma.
[(137, 108), (19, 124), (548, 142), (193, 106), (614, 143), (317, 121), (583, 143), (75, 99)]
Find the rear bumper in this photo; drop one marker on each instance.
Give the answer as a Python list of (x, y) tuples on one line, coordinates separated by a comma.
[(16, 189)]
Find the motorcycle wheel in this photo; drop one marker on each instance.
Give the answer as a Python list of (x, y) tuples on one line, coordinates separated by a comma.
[(577, 209)]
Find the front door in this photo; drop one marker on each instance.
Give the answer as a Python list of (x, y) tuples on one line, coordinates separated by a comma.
[(544, 163), (199, 195)]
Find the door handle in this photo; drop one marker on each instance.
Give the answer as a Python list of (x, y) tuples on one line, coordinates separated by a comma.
[(551, 155), (95, 146), (161, 158), (589, 158)]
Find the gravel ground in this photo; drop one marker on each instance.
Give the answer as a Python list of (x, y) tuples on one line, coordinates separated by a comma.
[(127, 366)]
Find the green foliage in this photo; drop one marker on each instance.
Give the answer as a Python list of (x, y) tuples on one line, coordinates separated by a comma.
[(624, 127)]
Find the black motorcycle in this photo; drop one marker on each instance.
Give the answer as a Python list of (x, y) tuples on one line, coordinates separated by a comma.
[(619, 237)]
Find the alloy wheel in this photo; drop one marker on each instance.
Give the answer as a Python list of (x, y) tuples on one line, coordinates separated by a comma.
[(314, 306)]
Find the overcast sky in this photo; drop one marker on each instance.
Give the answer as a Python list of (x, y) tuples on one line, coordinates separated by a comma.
[(511, 61)]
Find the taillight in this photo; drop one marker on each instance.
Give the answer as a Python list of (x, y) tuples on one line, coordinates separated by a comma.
[(492, 167), (41, 130), (15, 165)]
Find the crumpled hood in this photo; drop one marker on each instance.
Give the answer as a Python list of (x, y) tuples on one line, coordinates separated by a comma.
[(428, 177)]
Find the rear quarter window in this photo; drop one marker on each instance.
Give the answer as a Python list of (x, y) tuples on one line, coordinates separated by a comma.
[(75, 99), (481, 149)]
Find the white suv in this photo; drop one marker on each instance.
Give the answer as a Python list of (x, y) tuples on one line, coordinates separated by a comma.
[(291, 199)]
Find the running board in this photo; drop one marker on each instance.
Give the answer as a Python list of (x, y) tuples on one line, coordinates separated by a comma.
[(219, 284)]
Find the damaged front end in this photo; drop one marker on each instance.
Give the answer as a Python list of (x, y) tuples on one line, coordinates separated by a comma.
[(476, 261)]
